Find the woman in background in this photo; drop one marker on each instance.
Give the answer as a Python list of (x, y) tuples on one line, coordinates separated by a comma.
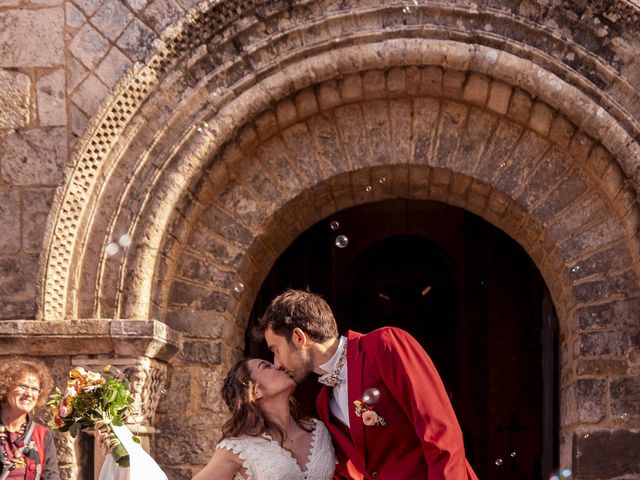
[(27, 448)]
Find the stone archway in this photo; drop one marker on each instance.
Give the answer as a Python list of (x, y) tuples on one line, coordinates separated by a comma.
[(203, 157)]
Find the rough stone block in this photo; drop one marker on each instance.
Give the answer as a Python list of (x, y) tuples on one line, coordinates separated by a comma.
[(453, 82), (89, 95), (178, 391), (499, 97), (17, 288), (328, 95), (162, 13), (35, 157), (625, 398), (10, 221), (136, 40), (31, 38), (202, 432), (606, 454), (89, 46), (202, 352), (52, 109), (74, 17), (111, 19), (476, 89), (594, 344), (541, 117), (210, 398), (15, 97), (36, 208), (203, 271), (113, 67), (621, 313), (351, 88), (520, 106), (590, 400), (182, 293), (623, 284), (601, 367), (89, 7), (612, 259)]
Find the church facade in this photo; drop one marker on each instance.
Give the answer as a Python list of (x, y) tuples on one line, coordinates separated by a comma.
[(156, 158)]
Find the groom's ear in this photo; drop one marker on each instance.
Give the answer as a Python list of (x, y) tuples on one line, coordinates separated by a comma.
[(299, 338)]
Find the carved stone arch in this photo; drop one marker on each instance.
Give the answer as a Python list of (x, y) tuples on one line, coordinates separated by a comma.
[(157, 103)]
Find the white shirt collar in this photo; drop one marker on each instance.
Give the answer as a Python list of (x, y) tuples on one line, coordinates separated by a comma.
[(330, 365)]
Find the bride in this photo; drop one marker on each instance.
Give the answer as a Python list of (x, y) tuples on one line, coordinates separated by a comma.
[(267, 436)]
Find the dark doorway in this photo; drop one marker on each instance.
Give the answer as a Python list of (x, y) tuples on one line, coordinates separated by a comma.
[(467, 292)]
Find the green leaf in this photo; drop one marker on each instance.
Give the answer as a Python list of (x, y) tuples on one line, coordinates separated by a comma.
[(136, 439)]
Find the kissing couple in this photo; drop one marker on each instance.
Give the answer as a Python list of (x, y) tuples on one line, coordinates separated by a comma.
[(383, 411)]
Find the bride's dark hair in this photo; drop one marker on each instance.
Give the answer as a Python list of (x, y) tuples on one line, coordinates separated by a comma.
[(247, 418)]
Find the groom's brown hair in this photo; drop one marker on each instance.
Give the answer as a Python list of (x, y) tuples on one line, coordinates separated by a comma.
[(299, 309)]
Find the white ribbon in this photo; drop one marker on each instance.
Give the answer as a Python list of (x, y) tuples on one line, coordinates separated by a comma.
[(141, 465)]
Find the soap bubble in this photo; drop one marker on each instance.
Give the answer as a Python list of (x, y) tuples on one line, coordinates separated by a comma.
[(124, 240), (112, 249), (499, 462), (371, 396), (334, 225), (342, 241), (238, 287)]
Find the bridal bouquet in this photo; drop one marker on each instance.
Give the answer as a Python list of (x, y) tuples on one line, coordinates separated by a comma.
[(93, 400)]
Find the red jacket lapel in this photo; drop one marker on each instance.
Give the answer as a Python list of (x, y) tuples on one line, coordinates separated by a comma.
[(355, 372), (339, 432)]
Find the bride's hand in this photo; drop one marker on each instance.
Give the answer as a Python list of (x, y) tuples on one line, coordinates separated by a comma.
[(102, 440)]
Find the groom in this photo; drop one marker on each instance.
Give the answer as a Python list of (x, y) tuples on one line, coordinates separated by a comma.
[(383, 400)]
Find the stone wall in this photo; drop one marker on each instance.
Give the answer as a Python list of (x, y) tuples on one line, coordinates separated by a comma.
[(239, 124)]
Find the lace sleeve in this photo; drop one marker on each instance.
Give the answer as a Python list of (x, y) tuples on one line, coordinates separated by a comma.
[(241, 448)]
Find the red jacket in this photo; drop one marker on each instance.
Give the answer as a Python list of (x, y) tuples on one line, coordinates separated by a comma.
[(422, 438)]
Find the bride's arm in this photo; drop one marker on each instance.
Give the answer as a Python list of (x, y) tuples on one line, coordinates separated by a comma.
[(222, 466)]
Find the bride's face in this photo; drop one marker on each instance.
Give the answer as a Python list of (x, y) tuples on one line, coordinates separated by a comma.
[(270, 380)]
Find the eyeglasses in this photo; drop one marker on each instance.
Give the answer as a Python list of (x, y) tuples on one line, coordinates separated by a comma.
[(26, 388)]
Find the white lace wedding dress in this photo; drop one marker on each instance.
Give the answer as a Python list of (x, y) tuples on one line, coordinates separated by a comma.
[(265, 459)]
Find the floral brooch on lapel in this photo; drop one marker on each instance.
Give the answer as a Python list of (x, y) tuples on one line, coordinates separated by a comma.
[(369, 417)]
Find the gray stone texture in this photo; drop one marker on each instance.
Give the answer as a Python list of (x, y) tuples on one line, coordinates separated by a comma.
[(606, 454), (136, 40), (15, 96), (74, 17), (114, 65), (89, 95), (210, 398), (111, 19), (10, 233), (590, 401), (625, 399), (76, 73), (36, 207), (89, 7), (177, 392), (34, 157), (52, 109), (201, 352), (31, 38), (201, 431), (89, 46), (162, 13), (17, 288), (621, 313)]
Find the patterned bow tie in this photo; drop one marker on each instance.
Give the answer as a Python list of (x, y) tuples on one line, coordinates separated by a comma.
[(333, 378)]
